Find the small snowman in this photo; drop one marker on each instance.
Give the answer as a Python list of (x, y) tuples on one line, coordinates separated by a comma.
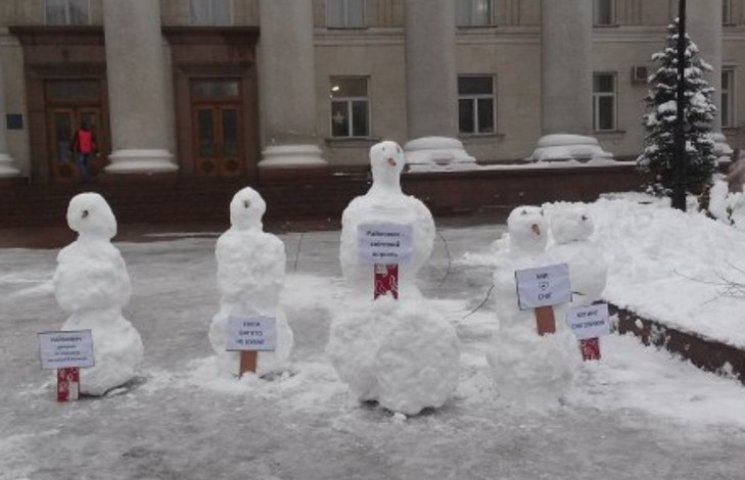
[(528, 369), (572, 228), (250, 277), (385, 203), (402, 353), (92, 284)]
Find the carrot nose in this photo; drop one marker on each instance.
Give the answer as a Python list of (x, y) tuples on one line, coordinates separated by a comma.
[(536, 229), (392, 162)]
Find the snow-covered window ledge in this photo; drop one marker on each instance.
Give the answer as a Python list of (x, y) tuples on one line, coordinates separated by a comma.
[(358, 142), (609, 133), (481, 137)]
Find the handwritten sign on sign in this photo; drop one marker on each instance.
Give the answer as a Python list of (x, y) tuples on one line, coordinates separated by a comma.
[(66, 349), (589, 322), (385, 243), (252, 333), (543, 286)]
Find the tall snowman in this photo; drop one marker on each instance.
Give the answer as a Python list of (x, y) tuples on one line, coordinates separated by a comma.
[(92, 284), (401, 353), (250, 277), (529, 370)]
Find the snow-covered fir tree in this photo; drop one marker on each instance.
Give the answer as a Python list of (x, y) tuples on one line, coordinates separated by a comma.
[(658, 156)]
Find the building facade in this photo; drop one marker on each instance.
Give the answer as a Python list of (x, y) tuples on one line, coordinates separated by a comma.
[(228, 88)]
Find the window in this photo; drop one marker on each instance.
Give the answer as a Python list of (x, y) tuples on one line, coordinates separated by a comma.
[(67, 12), (211, 12), (476, 104), (728, 98), (345, 13), (350, 107), (727, 18), (604, 101), (604, 12), (475, 13)]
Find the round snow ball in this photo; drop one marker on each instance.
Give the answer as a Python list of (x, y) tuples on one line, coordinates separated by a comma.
[(89, 214), (247, 209)]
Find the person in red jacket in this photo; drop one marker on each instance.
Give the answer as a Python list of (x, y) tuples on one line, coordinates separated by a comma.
[(83, 146)]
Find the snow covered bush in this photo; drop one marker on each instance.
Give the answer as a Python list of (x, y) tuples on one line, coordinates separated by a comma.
[(659, 121), (727, 207)]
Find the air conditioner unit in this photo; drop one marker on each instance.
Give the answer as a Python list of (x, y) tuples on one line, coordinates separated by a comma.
[(639, 74)]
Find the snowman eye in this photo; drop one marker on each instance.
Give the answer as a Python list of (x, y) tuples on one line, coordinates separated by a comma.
[(584, 218), (398, 149), (246, 203), (84, 214)]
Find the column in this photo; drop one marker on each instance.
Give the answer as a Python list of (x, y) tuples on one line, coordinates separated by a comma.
[(6, 161), (704, 27), (432, 84), (566, 83), (136, 74), (287, 85)]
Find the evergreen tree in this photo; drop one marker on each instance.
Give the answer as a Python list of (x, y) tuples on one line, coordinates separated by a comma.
[(658, 156)]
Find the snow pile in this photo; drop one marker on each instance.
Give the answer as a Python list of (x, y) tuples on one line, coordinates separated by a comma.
[(562, 147), (404, 355), (529, 369), (727, 207), (437, 154), (92, 284), (250, 277)]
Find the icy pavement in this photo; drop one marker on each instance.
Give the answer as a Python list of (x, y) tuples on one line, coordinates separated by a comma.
[(639, 414)]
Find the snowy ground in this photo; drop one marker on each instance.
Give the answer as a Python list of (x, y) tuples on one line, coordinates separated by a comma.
[(639, 414)]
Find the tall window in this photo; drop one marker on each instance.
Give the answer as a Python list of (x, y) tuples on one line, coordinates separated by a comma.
[(211, 12), (604, 12), (728, 97), (345, 13), (476, 102), (727, 17), (67, 12), (604, 101), (350, 107), (475, 13)]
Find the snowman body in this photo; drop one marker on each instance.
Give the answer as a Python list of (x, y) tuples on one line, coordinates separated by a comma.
[(250, 278), (92, 284)]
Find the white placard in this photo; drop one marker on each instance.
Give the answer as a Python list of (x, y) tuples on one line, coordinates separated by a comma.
[(385, 243), (543, 286), (66, 349), (589, 322), (252, 333)]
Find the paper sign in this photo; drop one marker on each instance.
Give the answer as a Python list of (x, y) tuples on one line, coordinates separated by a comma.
[(589, 322), (252, 333), (66, 349), (385, 243), (544, 286)]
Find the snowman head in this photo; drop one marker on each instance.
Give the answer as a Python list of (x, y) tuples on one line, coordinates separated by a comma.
[(247, 209), (571, 224), (90, 216), (527, 229), (387, 162)]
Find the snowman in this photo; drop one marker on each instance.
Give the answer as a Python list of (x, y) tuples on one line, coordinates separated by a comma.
[(528, 369), (571, 228), (250, 277), (92, 284), (402, 354), (385, 203)]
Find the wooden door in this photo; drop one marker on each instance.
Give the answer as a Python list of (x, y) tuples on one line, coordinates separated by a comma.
[(62, 124), (218, 148)]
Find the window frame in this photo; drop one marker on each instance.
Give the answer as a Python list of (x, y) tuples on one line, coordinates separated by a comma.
[(68, 18), (211, 20), (728, 13), (474, 99), (472, 21), (596, 96), (349, 101), (346, 24), (731, 93), (612, 21)]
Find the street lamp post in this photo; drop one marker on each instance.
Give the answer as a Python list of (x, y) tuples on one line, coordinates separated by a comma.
[(679, 158)]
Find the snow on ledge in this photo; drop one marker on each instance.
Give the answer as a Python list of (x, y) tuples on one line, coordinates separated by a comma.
[(564, 147), (6, 166), (437, 154), (141, 161), (292, 156)]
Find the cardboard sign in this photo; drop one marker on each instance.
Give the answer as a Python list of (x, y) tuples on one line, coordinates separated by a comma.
[(385, 243), (544, 286), (66, 349), (252, 333), (589, 322)]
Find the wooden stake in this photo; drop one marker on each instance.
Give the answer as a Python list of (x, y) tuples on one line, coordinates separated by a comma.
[(386, 280), (68, 384), (249, 359), (545, 320), (590, 348)]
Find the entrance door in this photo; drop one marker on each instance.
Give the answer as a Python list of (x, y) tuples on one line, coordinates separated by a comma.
[(217, 121), (62, 125)]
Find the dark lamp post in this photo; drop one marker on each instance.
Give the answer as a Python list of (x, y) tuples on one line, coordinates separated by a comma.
[(679, 159)]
